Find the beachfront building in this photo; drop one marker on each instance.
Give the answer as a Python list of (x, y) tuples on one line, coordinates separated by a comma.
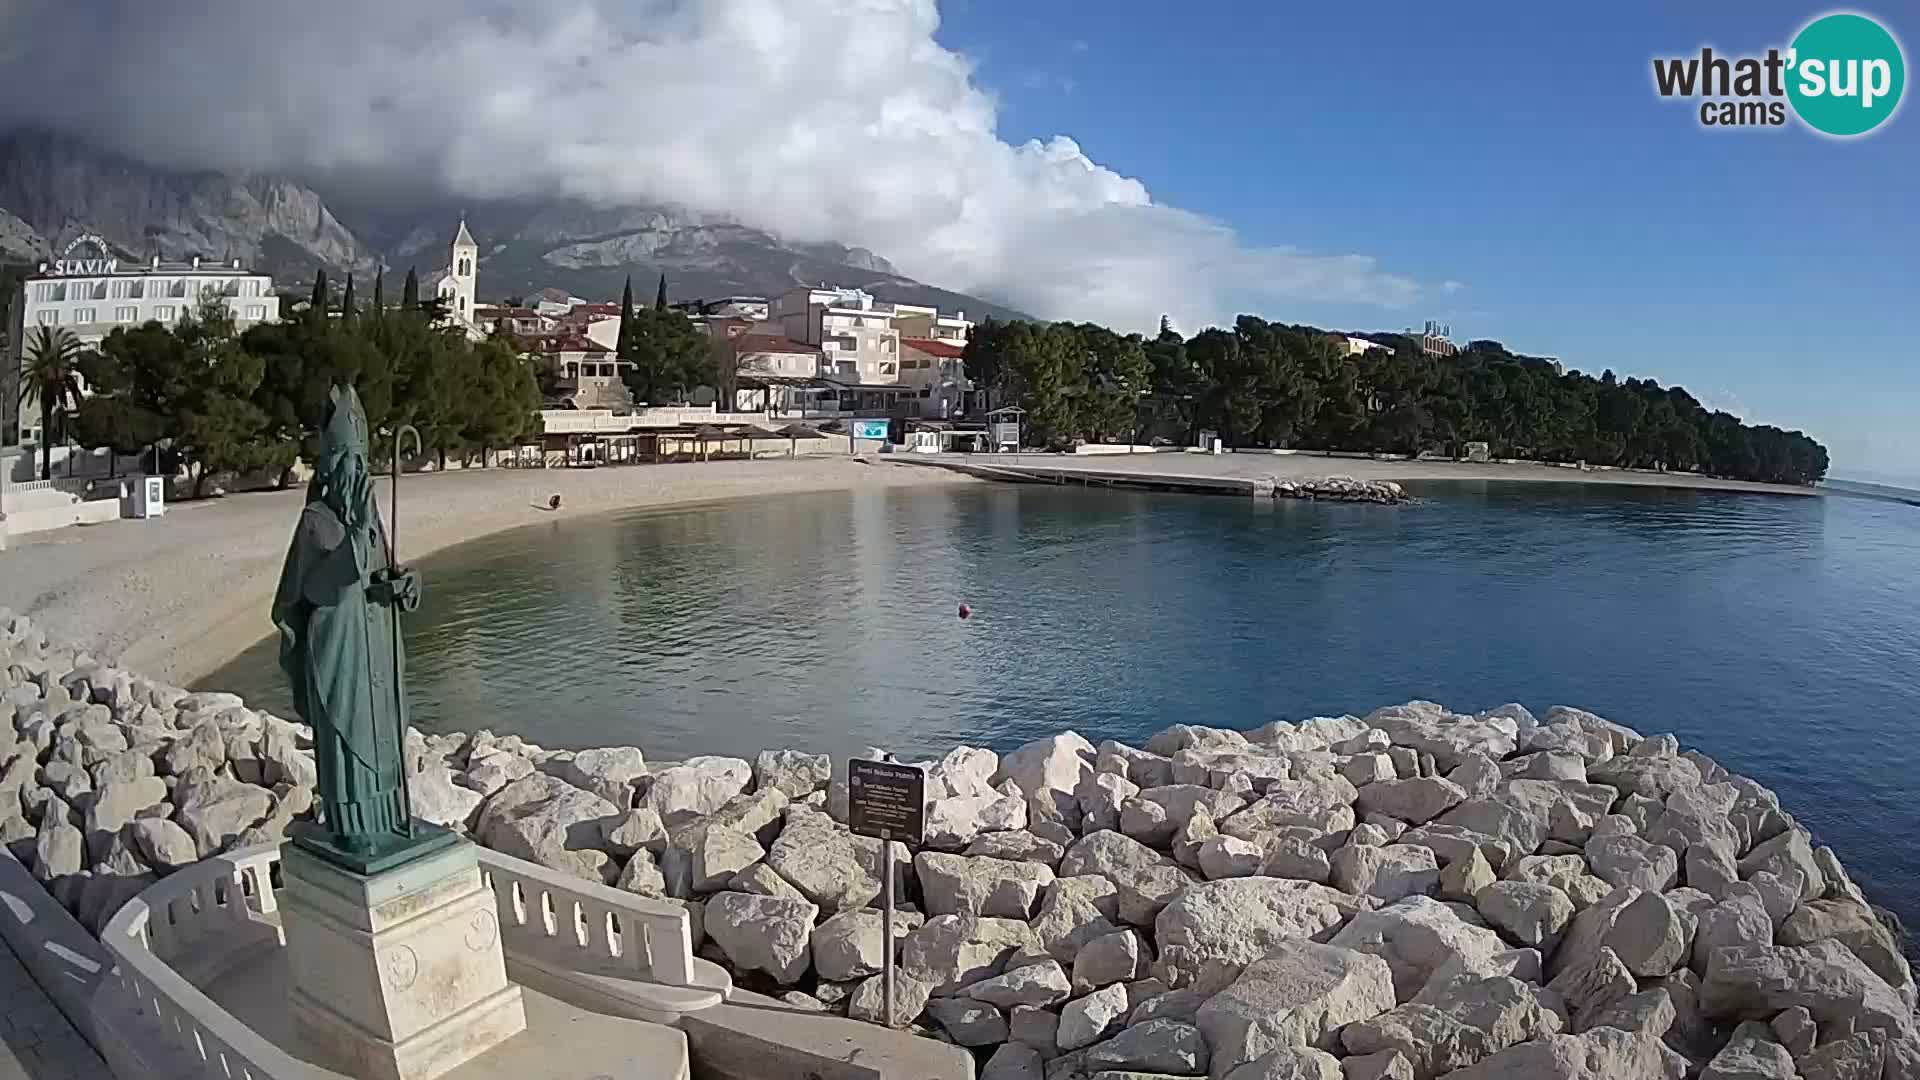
[(1353, 346), (581, 373), (937, 373), (523, 321), (917, 321), (89, 291)]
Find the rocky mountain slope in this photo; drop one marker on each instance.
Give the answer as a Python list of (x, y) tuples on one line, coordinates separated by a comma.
[(53, 187)]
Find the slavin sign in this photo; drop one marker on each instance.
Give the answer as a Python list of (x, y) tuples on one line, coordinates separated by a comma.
[(67, 265)]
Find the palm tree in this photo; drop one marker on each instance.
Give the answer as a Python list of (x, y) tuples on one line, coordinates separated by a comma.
[(51, 374)]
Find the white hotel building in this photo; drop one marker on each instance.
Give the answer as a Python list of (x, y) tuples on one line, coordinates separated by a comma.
[(92, 297)]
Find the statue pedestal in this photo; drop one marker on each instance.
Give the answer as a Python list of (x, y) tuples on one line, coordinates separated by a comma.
[(397, 974)]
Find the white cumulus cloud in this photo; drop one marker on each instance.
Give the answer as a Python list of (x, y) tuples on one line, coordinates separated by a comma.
[(841, 120)]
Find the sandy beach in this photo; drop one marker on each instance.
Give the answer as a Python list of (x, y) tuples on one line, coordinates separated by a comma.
[(1254, 464), (177, 597)]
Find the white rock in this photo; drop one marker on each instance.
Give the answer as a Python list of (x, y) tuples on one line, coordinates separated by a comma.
[(163, 844), (1230, 856), (1048, 771), (958, 885), (1600, 1054), (1464, 877), (850, 945), (1416, 937), (1146, 880), (1031, 985), (910, 995), (1740, 919), (1386, 873), (608, 772), (969, 1023), (1629, 860), (634, 830), (1014, 1061), (1795, 1029), (1758, 981), (1752, 1055), (763, 933), (1088, 1020), (1143, 768), (1214, 929), (1386, 1065), (1854, 925), (1650, 936), (1075, 910), (1530, 914), (1108, 959), (826, 863), (1783, 855), (436, 798), (216, 822), (1649, 1012), (1521, 829), (1454, 1026), (951, 952), (791, 772), (1101, 797), (1300, 994), (1166, 1047), (1324, 803), (560, 830), (1171, 741), (699, 785), (1416, 801), (1291, 857), (1859, 1056)]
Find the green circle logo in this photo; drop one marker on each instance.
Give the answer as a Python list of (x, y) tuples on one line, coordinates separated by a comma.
[(1845, 74)]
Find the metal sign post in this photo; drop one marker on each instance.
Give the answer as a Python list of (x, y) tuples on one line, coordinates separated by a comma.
[(887, 801)]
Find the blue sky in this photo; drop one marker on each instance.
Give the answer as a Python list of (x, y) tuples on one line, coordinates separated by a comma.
[(1514, 159)]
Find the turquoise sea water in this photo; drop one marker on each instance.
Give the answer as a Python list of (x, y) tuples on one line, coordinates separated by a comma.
[(1781, 635)]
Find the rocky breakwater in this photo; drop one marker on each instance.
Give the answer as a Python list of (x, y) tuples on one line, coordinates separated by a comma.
[(1340, 489), (1413, 894)]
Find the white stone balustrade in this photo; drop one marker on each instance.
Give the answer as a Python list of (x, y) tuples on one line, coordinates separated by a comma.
[(542, 908)]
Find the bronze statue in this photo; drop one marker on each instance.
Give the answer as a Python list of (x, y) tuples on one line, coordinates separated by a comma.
[(336, 609)]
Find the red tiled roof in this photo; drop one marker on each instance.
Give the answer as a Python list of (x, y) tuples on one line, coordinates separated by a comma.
[(771, 343), (562, 341), (931, 347)]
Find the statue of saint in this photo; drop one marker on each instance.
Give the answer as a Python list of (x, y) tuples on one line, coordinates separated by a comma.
[(340, 646)]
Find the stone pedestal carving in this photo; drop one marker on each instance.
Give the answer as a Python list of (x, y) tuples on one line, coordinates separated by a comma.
[(397, 975)]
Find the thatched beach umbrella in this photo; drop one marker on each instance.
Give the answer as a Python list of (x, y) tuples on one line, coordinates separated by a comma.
[(705, 432), (794, 433)]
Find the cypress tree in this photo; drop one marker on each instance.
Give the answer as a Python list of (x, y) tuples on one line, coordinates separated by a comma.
[(624, 342), (346, 301), (410, 292), (660, 298), (379, 293), (317, 303)]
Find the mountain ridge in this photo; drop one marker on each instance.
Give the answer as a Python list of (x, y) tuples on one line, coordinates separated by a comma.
[(53, 187)]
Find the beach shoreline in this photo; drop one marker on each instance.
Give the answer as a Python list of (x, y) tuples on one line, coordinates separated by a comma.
[(180, 597)]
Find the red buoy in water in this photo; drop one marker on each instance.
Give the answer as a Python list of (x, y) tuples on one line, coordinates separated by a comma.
[(965, 610)]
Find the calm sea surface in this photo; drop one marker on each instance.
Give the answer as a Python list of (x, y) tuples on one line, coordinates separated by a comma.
[(1779, 635)]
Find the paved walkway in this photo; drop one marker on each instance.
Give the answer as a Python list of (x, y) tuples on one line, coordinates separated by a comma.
[(36, 1042)]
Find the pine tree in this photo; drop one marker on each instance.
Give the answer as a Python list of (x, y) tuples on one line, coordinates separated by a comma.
[(410, 292), (623, 344), (317, 304), (379, 293), (346, 301), (660, 298)]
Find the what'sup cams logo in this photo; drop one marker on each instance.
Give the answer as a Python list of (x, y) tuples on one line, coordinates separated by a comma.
[(1842, 76)]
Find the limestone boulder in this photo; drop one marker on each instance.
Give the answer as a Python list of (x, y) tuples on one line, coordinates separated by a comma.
[(959, 885), (1014, 1061), (1652, 777), (1785, 855), (1385, 873), (1073, 912), (1324, 803), (1110, 958), (1171, 741), (1740, 919), (1144, 879), (1455, 1026), (1629, 860), (1034, 986), (1102, 798), (1449, 738), (1752, 1054), (910, 996), (1416, 801), (59, 850), (699, 785), (1520, 829), (1852, 925), (609, 772), (952, 952), (1094, 1018), (1600, 1054), (1298, 994), (716, 855), (1049, 771), (1155, 814), (490, 772), (1230, 856), (969, 1023), (828, 864), (791, 772), (1651, 936), (437, 798), (1141, 767), (121, 801), (1860, 1056), (163, 844), (1755, 982), (1528, 913), (1163, 1047), (1417, 937), (217, 821), (560, 829), (763, 933), (852, 944), (1292, 857), (955, 821), (1213, 930), (633, 831)]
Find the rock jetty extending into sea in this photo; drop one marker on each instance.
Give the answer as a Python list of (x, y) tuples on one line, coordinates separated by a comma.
[(1413, 894)]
